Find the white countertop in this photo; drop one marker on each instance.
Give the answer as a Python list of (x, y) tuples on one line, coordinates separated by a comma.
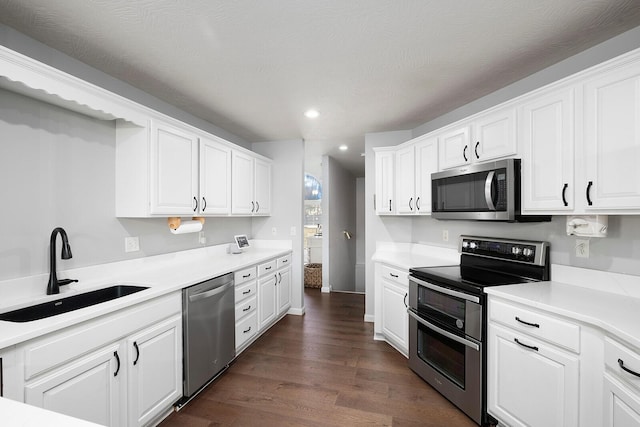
[(162, 274), (596, 301), (410, 255), (16, 414)]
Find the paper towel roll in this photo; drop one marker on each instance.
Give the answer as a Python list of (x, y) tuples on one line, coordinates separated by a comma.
[(191, 226)]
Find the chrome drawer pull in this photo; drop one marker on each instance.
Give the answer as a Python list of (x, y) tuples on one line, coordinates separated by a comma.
[(535, 325), (621, 363)]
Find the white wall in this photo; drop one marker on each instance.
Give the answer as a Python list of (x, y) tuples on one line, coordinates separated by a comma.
[(57, 168), (360, 235), (339, 253), (287, 207)]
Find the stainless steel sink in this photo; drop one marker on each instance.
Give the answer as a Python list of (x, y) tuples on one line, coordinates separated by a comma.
[(75, 302)]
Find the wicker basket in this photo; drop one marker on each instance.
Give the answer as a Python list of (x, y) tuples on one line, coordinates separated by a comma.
[(313, 276)]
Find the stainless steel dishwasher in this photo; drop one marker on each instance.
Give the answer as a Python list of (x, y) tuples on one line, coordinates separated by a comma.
[(209, 344)]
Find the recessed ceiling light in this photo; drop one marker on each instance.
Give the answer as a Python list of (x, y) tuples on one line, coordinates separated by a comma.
[(343, 147), (311, 114)]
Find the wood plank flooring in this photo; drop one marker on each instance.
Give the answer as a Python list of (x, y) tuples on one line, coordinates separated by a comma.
[(320, 369)]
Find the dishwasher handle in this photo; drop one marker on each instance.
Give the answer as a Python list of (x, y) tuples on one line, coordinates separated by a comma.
[(210, 293)]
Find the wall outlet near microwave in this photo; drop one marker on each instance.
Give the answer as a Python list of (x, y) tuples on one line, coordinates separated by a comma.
[(445, 235)]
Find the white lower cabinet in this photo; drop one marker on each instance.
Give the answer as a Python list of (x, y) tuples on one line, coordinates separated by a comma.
[(90, 388), (155, 370), (122, 369), (391, 320), (533, 371), (621, 385)]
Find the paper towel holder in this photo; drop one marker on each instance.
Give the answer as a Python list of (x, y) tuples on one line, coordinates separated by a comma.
[(178, 226)]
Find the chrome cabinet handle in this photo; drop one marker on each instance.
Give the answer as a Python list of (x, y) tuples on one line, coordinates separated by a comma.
[(564, 194), (115, 353), (621, 363), (535, 325), (135, 345), (530, 347)]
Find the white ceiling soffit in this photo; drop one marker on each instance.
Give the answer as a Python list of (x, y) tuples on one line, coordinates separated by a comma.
[(254, 67)]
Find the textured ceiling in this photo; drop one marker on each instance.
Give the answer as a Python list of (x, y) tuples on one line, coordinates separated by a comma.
[(254, 67)]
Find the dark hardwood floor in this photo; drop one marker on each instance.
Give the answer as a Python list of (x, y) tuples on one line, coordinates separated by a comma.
[(320, 369)]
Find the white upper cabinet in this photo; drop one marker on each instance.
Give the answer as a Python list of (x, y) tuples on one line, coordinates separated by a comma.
[(385, 179), (174, 171), (612, 139), (251, 185), (454, 147), (547, 141), (494, 135), (414, 164), (215, 178)]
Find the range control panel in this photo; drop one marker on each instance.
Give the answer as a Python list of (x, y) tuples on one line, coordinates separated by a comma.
[(526, 251)]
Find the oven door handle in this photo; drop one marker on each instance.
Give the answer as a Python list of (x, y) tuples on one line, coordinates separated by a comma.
[(441, 331), (447, 291)]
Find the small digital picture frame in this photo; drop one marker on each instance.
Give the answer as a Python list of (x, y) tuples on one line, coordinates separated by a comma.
[(241, 241)]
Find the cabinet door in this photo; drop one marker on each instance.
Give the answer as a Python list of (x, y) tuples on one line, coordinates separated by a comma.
[(267, 299), (155, 370), (621, 405), (524, 380), (262, 193), (89, 388), (384, 182), (547, 139), (612, 140), (284, 290), (242, 182), (405, 181), (395, 320), (494, 135), (454, 148), (174, 171), (426, 154), (215, 178)]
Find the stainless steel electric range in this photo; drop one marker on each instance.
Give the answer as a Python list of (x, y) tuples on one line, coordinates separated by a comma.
[(448, 316)]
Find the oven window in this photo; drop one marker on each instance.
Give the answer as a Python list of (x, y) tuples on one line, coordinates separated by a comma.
[(446, 309), (442, 353)]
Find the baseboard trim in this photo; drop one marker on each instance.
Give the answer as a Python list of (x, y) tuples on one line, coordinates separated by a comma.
[(369, 318)]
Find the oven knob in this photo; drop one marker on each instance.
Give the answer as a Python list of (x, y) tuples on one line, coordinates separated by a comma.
[(528, 252), (459, 324)]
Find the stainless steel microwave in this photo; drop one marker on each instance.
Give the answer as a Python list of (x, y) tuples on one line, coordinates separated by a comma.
[(487, 191)]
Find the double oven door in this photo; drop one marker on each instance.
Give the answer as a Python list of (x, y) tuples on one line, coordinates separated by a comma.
[(445, 343)]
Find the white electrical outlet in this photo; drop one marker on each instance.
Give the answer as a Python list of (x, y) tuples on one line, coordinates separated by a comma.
[(131, 244), (582, 248), (293, 230), (274, 231), (445, 235), (202, 239)]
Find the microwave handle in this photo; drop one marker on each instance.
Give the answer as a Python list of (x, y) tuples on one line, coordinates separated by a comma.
[(487, 190)]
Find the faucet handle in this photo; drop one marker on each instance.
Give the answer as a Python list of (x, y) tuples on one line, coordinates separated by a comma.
[(63, 282)]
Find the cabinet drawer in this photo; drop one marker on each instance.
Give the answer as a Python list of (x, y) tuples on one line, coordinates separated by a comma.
[(245, 275), (267, 268), (613, 351), (537, 324), (245, 307), (245, 291), (246, 328), (284, 261), (395, 275)]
